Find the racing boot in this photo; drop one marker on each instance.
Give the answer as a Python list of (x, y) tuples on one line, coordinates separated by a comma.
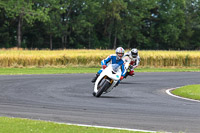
[(95, 78), (132, 73), (117, 84)]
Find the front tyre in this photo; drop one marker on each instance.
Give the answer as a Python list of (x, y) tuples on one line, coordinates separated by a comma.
[(94, 94), (102, 86)]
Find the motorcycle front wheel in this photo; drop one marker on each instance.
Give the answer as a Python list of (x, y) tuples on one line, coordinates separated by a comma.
[(102, 86)]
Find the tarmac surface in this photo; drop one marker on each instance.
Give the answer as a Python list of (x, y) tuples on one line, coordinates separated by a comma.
[(137, 103)]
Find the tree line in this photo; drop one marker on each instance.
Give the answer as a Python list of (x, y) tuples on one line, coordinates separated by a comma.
[(105, 24)]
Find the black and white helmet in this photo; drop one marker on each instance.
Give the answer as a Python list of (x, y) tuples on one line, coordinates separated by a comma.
[(119, 52), (134, 52)]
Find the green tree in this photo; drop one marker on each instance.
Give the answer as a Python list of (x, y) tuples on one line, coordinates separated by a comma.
[(169, 23), (189, 38), (137, 23), (22, 10), (112, 13)]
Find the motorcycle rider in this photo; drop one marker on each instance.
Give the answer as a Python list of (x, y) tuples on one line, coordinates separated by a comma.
[(134, 60), (114, 59)]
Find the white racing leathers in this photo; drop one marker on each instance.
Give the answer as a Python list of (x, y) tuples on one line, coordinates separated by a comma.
[(134, 62)]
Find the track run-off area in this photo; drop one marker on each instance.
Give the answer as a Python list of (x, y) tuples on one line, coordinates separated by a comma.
[(139, 102)]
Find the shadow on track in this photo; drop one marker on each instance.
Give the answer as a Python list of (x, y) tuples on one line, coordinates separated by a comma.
[(116, 97), (122, 82)]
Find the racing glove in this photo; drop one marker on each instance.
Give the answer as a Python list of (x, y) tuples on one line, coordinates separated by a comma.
[(121, 77), (104, 66)]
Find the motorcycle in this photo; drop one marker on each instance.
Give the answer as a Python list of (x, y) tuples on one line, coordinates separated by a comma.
[(107, 79), (128, 66)]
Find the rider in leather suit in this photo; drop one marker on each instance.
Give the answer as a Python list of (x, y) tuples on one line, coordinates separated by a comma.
[(135, 59), (114, 59)]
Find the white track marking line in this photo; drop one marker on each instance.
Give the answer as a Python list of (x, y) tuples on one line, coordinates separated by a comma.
[(128, 129), (169, 93)]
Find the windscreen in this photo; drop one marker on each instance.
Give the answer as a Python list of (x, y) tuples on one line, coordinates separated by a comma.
[(115, 67)]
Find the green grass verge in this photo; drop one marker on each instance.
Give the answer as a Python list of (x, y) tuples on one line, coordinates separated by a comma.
[(14, 71), (18, 125), (189, 91)]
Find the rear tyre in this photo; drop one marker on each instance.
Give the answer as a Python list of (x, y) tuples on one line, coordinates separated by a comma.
[(102, 86)]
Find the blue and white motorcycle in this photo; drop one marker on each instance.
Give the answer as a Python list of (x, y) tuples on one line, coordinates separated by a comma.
[(107, 79)]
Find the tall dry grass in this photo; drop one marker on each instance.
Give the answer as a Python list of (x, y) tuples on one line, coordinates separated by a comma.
[(170, 58), (92, 58)]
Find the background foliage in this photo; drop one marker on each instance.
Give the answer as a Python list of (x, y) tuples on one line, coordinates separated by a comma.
[(106, 24)]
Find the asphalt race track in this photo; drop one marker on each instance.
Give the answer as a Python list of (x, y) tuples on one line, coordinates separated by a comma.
[(139, 103)]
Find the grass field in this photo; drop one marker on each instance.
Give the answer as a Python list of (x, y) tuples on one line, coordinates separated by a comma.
[(18, 125), (50, 70), (189, 91), (92, 58)]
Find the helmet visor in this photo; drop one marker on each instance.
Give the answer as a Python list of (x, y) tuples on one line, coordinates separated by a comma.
[(134, 55), (120, 55)]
